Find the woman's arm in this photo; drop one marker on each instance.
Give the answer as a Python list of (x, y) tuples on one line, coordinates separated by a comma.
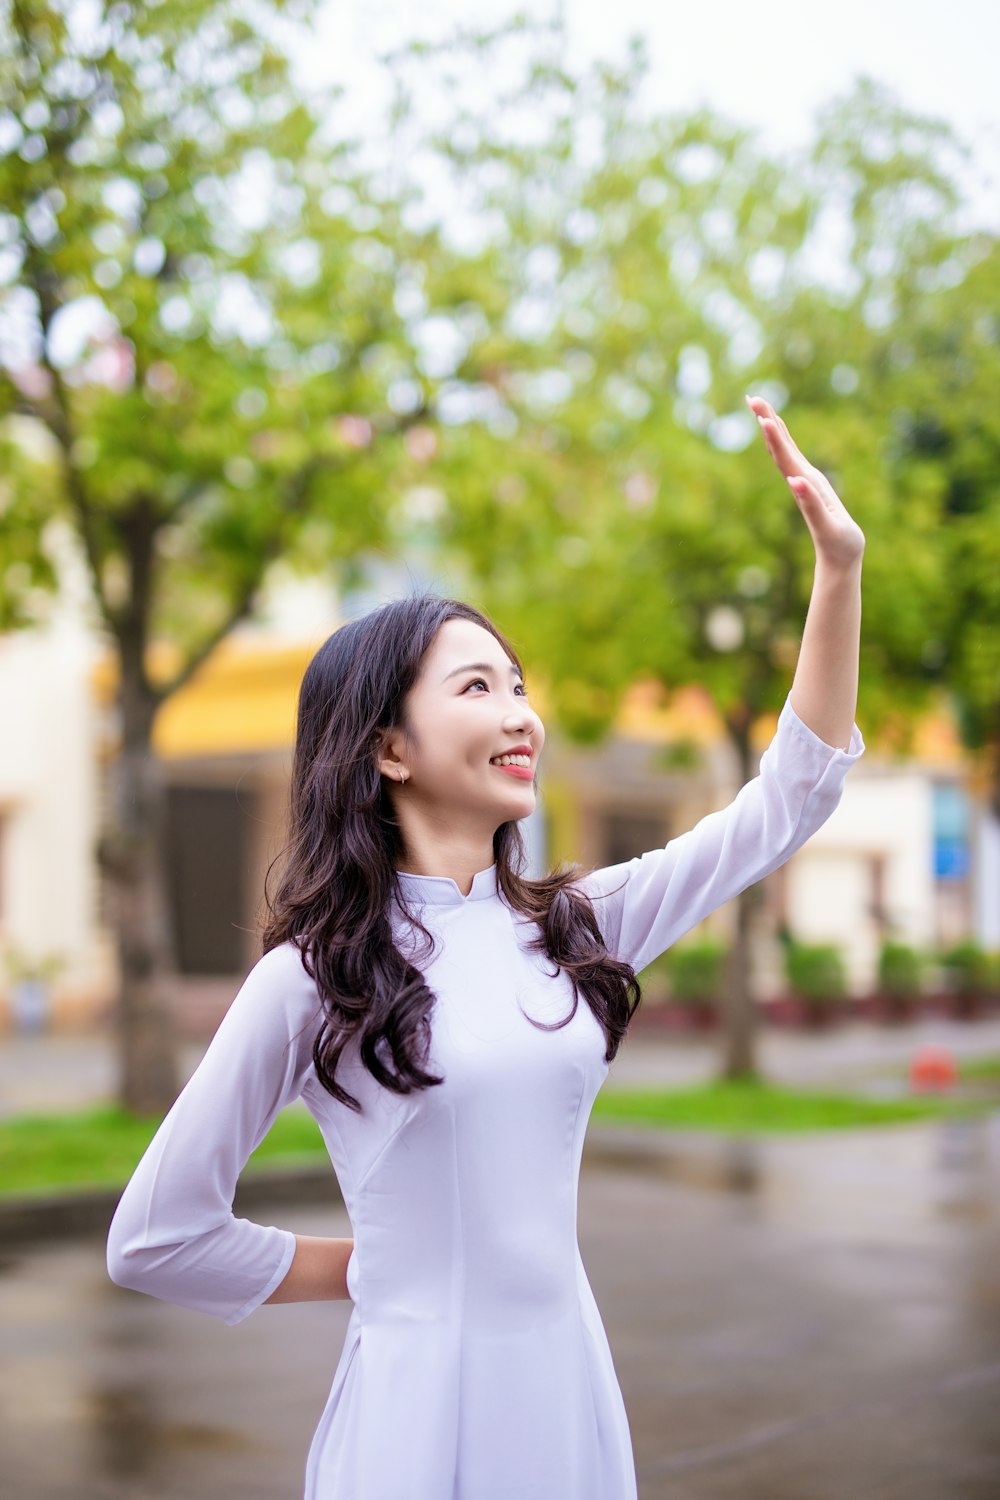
[(824, 690), (174, 1234), (318, 1272), (645, 904)]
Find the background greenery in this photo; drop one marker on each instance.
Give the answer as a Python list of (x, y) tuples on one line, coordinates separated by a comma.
[(530, 380)]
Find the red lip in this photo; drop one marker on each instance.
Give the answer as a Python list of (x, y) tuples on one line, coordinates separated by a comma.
[(516, 750)]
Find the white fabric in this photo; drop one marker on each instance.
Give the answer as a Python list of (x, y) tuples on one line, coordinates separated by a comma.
[(475, 1365)]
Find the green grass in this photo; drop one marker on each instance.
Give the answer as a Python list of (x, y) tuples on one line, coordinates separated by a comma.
[(764, 1107), (100, 1147), (980, 1069)]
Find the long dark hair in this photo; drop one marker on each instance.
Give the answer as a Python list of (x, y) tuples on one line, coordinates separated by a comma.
[(340, 866)]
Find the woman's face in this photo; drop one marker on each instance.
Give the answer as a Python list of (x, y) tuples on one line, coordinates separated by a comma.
[(468, 705)]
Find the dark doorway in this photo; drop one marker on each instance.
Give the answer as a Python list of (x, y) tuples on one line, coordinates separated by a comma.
[(208, 866)]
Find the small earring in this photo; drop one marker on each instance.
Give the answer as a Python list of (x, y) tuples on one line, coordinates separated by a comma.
[(402, 776)]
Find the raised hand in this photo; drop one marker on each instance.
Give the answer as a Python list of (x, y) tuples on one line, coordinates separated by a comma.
[(837, 537)]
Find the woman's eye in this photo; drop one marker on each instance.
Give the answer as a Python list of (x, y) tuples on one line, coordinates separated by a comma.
[(479, 681)]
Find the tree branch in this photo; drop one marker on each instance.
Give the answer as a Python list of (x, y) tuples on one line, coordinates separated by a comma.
[(240, 608), (295, 498), (59, 423)]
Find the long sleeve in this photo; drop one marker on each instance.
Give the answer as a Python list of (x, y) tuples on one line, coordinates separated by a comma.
[(174, 1234), (645, 904)]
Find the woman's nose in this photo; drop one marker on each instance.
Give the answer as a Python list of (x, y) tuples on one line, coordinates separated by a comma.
[(523, 718)]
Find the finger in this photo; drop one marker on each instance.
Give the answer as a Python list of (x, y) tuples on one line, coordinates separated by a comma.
[(814, 503), (785, 454), (790, 460), (810, 504), (821, 497), (787, 445), (765, 413)]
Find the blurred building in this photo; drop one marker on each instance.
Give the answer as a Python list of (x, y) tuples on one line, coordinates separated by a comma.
[(910, 852)]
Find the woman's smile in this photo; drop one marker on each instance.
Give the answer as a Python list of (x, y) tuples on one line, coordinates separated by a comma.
[(524, 772)]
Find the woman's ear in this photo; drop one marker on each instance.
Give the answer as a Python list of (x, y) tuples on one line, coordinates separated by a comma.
[(390, 762)]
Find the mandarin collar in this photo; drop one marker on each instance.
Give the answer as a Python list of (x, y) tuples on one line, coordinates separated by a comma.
[(442, 890)]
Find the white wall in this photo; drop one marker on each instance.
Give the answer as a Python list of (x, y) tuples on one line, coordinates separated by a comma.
[(831, 889), (48, 795)]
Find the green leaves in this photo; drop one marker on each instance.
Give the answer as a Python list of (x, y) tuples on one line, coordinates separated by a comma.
[(200, 317), (244, 343)]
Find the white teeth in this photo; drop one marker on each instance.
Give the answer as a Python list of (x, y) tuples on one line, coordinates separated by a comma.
[(511, 760)]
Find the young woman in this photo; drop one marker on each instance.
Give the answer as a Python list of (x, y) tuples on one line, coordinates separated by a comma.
[(423, 997)]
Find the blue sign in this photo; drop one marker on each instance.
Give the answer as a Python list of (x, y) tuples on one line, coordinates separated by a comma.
[(951, 859), (951, 832)]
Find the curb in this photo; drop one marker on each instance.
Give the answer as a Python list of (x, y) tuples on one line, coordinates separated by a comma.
[(86, 1211)]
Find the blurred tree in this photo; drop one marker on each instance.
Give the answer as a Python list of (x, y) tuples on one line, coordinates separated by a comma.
[(199, 339), (662, 267), (939, 375), (535, 376), (919, 341)]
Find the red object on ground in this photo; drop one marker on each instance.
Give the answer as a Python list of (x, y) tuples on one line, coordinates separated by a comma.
[(933, 1067)]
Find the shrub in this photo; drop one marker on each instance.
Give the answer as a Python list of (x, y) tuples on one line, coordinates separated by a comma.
[(654, 979), (815, 971), (900, 969), (697, 970), (967, 967), (993, 971)]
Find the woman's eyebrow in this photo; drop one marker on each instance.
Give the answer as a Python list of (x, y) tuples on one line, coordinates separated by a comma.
[(480, 666)]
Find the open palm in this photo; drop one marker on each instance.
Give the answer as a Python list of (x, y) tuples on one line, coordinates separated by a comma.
[(838, 538)]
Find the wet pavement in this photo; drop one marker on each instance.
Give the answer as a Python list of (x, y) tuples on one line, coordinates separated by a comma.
[(807, 1318)]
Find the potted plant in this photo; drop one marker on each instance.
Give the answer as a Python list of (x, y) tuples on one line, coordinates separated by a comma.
[(816, 976), (966, 974), (655, 1011), (697, 974), (900, 982), (993, 976)]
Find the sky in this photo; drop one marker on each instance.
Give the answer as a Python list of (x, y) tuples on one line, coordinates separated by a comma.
[(766, 66)]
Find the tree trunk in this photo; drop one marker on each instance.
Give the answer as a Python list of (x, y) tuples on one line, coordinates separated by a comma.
[(739, 1031), (739, 1010), (132, 856)]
